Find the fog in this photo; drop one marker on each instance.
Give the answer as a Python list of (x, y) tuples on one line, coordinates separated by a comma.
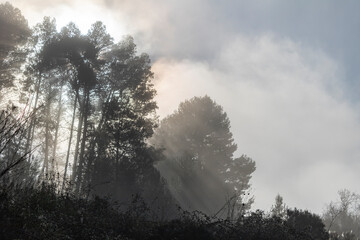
[(287, 111), (286, 74)]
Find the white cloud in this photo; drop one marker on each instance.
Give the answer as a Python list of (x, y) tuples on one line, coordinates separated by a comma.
[(287, 112)]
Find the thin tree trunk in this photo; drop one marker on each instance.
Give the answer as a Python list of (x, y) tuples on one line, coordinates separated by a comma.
[(91, 160), (47, 136), (79, 128), (94, 141), (83, 141), (69, 145), (56, 131), (30, 136)]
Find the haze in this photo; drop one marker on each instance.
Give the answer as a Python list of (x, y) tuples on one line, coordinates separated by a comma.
[(286, 73)]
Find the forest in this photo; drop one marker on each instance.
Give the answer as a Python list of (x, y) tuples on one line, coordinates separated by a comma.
[(84, 155)]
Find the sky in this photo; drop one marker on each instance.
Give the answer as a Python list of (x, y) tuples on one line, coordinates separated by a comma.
[(285, 71)]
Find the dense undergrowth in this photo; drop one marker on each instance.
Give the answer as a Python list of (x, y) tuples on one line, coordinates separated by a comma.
[(44, 213)]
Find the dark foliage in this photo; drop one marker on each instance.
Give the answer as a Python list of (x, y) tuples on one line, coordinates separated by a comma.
[(42, 213), (308, 223)]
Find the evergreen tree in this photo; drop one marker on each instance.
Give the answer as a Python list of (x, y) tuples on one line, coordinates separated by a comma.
[(199, 164), (119, 158), (116, 111), (307, 223), (14, 32), (279, 208), (13, 120)]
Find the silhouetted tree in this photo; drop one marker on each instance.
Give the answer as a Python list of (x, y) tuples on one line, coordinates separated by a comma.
[(14, 32), (43, 87), (118, 152), (81, 54), (112, 88), (199, 164), (14, 169), (307, 223)]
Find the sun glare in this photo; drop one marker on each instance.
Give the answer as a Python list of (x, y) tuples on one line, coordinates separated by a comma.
[(82, 13), (85, 15)]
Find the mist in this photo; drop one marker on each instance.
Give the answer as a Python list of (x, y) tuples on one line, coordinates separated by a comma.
[(286, 113), (118, 99), (226, 70)]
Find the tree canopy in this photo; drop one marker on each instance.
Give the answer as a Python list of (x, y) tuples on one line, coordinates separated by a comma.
[(14, 32), (199, 165), (92, 94)]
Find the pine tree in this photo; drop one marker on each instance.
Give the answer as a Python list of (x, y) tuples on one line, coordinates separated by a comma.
[(279, 208), (199, 164)]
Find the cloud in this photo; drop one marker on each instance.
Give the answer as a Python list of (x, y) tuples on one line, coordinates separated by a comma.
[(198, 29), (178, 28), (288, 112)]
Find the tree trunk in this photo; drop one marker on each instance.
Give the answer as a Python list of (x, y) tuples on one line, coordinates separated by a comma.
[(69, 145), (31, 132), (78, 137), (94, 141), (58, 115), (83, 141), (47, 134)]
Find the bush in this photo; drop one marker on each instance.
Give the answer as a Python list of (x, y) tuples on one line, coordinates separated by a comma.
[(42, 213)]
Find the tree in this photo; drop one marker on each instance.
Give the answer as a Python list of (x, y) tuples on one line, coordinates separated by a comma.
[(279, 208), (342, 218), (14, 168), (307, 223), (44, 88), (199, 165), (14, 32), (116, 111), (81, 54), (119, 158), (103, 88)]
